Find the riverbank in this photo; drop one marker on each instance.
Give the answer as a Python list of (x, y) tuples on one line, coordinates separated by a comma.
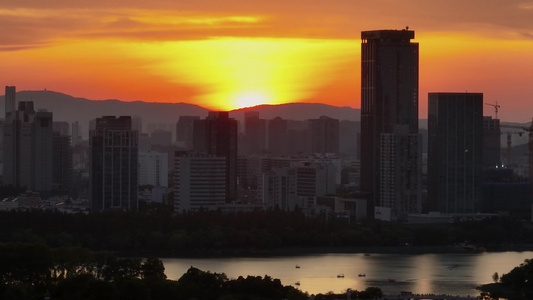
[(299, 251)]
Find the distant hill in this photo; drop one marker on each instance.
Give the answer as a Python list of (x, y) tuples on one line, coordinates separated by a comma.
[(70, 109)]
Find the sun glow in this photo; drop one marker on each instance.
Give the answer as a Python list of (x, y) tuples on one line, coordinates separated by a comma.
[(236, 72)]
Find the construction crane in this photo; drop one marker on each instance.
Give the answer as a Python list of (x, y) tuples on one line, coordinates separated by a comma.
[(509, 145), (530, 148), (496, 108)]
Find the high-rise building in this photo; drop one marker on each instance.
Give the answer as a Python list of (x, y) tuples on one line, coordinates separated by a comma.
[(277, 136), (455, 152), (324, 135), (153, 169), (199, 182), (491, 143), (217, 135), (389, 98), (401, 173), (76, 133), (11, 103), (28, 148), (62, 162), (113, 164), (254, 133), (184, 131)]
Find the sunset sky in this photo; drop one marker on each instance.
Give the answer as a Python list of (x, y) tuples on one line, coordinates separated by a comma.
[(238, 53)]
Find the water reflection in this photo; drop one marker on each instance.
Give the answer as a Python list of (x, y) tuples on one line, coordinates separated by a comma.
[(456, 274)]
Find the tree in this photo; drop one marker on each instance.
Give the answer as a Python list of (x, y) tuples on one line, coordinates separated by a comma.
[(153, 269)]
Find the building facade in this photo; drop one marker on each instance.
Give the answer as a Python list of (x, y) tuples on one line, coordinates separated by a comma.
[(153, 169), (389, 98), (324, 135), (199, 182), (28, 148), (217, 135), (113, 181), (455, 152)]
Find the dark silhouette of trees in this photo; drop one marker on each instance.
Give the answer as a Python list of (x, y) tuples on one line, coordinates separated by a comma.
[(515, 285)]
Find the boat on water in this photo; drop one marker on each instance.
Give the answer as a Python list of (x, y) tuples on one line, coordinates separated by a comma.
[(362, 275), (297, 283), (391, 280), (297, 266), (340, 276)]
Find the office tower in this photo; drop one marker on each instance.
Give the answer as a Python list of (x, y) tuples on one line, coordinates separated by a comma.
[(28, 142), (401, 173), (491, 143), (199, 182), (10, 97), (277, 136), (389, 98), (254, 133), (153, 169), (137, 124), (113, 164), (455, 152), (324, 135), (62, 162), (184, 131), (217, 135), (315, 179)]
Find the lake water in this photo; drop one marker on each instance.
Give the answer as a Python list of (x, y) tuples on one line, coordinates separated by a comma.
[(454, 274)]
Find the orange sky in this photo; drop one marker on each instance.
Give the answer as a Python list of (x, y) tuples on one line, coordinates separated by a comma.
[(236, 53)]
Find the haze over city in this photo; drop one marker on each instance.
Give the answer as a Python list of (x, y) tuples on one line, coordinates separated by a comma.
[(232, 54)]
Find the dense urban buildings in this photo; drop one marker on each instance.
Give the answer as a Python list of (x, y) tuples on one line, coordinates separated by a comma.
[(113, 179), (455, 157), (324, 135), (491, 143), (389, 106)]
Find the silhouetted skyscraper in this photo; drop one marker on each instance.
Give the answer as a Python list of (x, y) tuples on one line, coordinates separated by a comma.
[(254, 133), (277, 136), (11, 103), (28, 147), (217, 135), (389, 98), (455, 152), (113, 164), (324, 135), (184, 131)]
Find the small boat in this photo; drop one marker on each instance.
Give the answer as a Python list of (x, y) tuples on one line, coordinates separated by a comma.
[(391, 280), (362, 275), (297, 266), (367, 254), (297, 283), (340, 276)]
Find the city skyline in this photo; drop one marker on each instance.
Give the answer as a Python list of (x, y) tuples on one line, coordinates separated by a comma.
[(247, 53)]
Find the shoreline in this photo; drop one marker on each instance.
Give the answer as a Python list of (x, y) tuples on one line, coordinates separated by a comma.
[(342, 250)]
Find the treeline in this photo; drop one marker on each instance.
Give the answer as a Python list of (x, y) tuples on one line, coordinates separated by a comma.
[(33, 271), (515, 285), (159, 233)]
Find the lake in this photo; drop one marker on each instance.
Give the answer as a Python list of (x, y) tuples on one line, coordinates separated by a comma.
[(454, 274)]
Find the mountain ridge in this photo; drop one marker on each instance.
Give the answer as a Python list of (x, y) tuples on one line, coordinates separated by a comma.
[(69, 108)]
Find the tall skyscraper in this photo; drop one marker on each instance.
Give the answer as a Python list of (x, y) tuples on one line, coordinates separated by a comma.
[(113, 164), (455, 152), (277, 136), (184, 131), (389, 98), (217, 135), (11, 103), (28, 147), (324, 135), (254, 133)]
